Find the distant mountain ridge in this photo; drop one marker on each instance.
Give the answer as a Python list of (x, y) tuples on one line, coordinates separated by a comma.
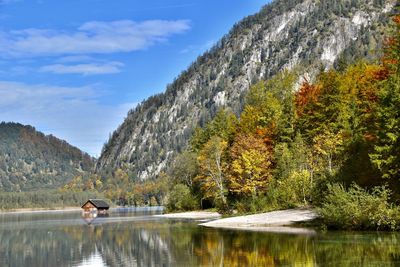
[(30, 160), (283, 35)]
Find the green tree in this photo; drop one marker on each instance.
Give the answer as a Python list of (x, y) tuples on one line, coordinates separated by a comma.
[(223, 125), (290, 157), (180, 198), (297, 188), (387, 150), (269, 105), (185, 168)]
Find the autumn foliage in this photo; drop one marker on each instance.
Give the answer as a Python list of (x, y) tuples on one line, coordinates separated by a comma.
[(307, 94), (289, 144), (251, 164)]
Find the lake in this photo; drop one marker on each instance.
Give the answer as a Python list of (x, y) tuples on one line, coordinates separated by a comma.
[(135, 238)]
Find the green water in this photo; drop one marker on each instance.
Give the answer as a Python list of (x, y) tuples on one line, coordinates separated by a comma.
[(138, 239)]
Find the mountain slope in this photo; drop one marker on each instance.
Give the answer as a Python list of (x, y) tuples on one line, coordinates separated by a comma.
[(30, 160), (283, 35)]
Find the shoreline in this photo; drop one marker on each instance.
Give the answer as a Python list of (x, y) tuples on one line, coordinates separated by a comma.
[(39, 210), (270, 221), (281, 221), (75, 208), (191, 215)]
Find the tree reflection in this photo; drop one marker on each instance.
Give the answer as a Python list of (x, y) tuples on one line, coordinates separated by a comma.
[(169, 243)]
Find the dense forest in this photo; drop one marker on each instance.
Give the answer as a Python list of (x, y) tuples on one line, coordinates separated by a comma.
[(30, 160), (334, 143)]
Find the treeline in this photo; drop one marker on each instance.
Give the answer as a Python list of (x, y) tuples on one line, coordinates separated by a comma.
[(44, 199), (120, 189)]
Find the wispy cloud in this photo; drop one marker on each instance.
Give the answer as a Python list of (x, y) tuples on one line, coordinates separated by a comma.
[(15, 93), (77, 58), (84, 69), (71, 113), (94, 37)]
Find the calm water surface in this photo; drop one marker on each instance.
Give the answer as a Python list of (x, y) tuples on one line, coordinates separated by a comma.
[(138, 239)]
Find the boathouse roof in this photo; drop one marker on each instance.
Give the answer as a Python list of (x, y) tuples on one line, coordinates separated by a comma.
[(98, 203)]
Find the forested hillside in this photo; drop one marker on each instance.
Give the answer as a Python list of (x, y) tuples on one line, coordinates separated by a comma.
[(301, 35), (331, 144), (30, 160), (334, 143)]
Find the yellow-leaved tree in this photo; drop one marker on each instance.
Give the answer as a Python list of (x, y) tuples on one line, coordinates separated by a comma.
[(251, 165), (329, 145), (212, 167)]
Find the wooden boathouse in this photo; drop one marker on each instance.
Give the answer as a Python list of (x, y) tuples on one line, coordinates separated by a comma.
[(95, 206)]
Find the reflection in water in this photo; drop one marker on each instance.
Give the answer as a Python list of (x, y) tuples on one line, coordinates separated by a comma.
[(136, 239), (95, 260), (90, 218)]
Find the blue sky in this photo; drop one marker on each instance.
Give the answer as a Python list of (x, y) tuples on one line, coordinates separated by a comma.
[(73, 68)]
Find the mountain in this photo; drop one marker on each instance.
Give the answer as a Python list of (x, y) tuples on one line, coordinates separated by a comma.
[(30, 160), (304, 35)]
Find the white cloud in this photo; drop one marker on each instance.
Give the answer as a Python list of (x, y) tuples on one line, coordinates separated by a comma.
[(94, 37), (84, 69), (71, 113)]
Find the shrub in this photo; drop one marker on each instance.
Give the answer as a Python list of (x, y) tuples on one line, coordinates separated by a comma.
[(290, 192), (253, 204), (181, 199), (356, 208)]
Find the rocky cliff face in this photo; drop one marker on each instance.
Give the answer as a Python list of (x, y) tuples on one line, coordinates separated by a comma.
[(303, 34)]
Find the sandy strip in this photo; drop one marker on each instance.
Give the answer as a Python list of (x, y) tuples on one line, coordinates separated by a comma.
[(264, 220), (191, 215)]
